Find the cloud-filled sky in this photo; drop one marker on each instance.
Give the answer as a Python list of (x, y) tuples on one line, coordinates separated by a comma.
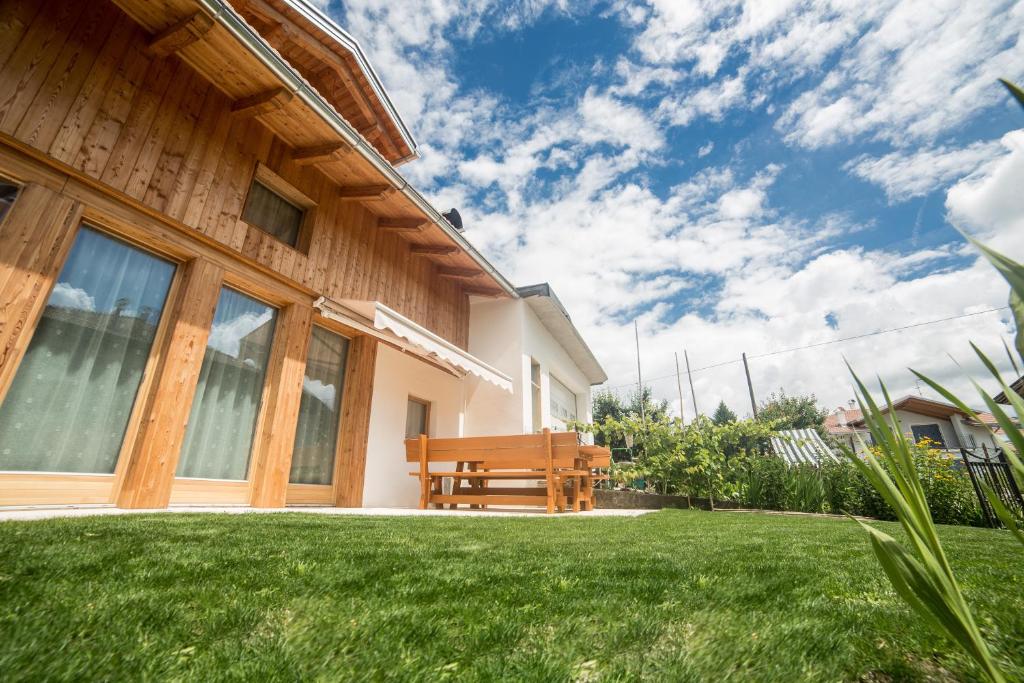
[(734, 176)]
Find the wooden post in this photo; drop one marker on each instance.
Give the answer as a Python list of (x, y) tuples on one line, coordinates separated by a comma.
[(750, 386), (279, 410), (549, 470), (679, 386), (153, 458), (354, 429), (689, 376), (424, 479), (35, 238)]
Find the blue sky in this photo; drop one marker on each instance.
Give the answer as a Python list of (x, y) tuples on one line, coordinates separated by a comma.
[(736, 176)]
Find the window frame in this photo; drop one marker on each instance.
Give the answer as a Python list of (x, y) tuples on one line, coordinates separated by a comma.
[(426, 412), (289, 193), (242, 287), (163, 328), (338, 439)]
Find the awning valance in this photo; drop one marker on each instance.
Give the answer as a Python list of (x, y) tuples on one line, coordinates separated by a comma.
[(390, 321)]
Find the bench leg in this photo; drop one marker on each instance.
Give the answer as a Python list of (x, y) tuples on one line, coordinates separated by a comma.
[(437, 490), (577, 491)]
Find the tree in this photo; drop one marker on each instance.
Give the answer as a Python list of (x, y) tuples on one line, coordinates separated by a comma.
[(793, 412), (723, 415), (655, 411)]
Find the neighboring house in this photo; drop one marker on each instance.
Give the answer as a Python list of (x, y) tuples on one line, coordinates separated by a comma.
[(944, 424), (214, 285), (1017, 387), (840, 424)]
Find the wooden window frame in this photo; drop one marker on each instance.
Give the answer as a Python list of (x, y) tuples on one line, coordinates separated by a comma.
[(288, 192), (239, 287), (426, 413)]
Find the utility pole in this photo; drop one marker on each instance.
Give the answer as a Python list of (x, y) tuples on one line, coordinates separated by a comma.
[(750, 386), (639, 377), (689, 376), (679, 385)]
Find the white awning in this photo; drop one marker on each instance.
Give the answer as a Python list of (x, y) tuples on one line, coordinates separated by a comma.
[(430, 344)]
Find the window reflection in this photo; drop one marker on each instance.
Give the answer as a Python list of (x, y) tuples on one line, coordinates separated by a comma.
[(220, 430), (69, 404)]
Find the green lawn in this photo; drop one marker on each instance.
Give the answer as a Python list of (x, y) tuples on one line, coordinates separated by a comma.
[(672, 596)]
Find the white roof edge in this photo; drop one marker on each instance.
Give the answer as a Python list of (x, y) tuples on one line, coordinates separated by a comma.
[(562, 328), (318, 17)]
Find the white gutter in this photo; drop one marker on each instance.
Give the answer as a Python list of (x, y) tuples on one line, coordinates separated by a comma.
[(225, 15)]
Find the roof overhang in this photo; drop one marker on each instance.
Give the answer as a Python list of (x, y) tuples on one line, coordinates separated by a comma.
[(556, 320), (376, 319), (306, 119)]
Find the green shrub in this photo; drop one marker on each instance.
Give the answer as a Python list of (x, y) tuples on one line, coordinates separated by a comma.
[(805, 490)]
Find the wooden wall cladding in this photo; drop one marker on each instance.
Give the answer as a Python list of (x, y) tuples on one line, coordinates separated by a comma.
[(78, 84)]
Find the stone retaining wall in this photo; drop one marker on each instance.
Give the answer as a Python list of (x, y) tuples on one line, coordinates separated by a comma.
[(638, 500)]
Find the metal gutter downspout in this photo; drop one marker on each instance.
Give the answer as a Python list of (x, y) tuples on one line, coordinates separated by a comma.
[(221, 12)]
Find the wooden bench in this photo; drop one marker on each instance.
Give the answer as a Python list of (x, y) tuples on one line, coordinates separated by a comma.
[(553, 458)]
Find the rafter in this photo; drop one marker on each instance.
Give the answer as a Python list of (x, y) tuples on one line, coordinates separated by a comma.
[(333, 151), (459, 273), (402, 224), (365, 193), (482, 291), (180, 34), (432, 250), (262, 102)]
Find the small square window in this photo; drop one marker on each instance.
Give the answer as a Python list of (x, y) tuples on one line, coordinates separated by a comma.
[(272, 213), (417, 418), (8, 192)]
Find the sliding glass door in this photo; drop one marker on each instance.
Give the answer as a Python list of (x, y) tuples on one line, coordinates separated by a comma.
[(219, 437), (316, 438), (69, 405)]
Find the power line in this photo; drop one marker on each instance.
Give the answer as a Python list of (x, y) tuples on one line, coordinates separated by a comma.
[(826, 343)]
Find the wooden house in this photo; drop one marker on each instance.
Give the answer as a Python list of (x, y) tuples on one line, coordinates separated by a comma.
[(214, 282)]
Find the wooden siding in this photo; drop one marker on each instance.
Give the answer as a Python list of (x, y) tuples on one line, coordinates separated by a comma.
[(78, 84)]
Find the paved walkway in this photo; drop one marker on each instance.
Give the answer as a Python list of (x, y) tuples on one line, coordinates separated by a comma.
[(41, 512)]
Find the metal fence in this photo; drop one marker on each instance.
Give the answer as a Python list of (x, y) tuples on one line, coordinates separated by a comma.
[(992, 471)]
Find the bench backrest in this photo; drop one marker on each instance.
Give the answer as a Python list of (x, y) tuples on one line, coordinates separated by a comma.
[(518, 451), (600, 457)]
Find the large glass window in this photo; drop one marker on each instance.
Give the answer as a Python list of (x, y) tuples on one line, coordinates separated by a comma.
[(317, 435), (69, 404), (220, 430), (563, 402)]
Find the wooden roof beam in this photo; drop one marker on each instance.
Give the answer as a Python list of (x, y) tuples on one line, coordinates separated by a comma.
[(482, 291), (402, 224), (365, 193), (180, 34), (261, 103), (335, 151), (432, 250), (459, 273), (331, 62)]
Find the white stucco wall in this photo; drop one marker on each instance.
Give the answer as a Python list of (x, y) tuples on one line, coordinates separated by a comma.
[(398, 376), (509, 336)]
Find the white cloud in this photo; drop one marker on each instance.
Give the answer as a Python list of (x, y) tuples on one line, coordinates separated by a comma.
[(67, 296), (921, 70), (748, 275), (990, 203), (905, 176), (705, 149), (227, 336)]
